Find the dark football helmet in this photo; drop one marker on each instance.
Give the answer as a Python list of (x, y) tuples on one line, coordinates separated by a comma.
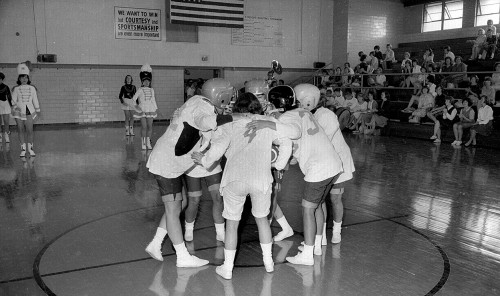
[(282, 97)]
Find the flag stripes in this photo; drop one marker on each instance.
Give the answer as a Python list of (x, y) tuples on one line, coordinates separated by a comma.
[(217, 13)]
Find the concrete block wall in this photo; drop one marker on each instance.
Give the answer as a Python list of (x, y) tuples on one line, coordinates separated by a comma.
[(373, 22), (89, 94)]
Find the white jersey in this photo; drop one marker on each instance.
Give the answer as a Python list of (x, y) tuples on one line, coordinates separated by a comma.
[(199, 171), (199, 113), (317, 158), (330, 124), (248, 153)]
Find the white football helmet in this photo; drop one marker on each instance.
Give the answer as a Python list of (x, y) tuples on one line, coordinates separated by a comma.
[(258, 88), (219, 91), (308, 95)]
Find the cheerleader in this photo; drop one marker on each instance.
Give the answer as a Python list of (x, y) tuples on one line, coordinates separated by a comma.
[(127, 92), (25, 108), (146, 111), (5, 104)]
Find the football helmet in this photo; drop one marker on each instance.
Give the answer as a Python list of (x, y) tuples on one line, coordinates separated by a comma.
[(219, 91), (308, 95), (282, 97), (258, 88)]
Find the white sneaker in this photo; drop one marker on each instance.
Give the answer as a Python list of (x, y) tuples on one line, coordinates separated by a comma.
[(143, 143), (301, 259), (224, 272), (316, 251), (269, 264), (188, 235), (437, 141), (434, 137), (30, 149), (191, 261), (285, 233), (127, 132), (23, 150), (148, 144), (6, 137), (336, 237), (154, 250), (459, 143), (131, 131)]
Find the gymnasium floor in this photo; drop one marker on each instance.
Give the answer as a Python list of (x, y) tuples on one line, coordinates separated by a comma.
[(420, 219)]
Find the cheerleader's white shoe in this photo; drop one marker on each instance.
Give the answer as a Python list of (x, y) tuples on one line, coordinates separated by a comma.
[(143, 143), (30, 149), (23, 150), (148, 143), (131, 131), (127, 132), (6, 137)]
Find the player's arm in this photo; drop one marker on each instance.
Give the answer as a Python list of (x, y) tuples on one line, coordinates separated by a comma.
[(218, 145), (285, 151), (286, 128)]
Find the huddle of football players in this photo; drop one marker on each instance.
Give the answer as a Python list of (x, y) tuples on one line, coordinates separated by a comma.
[(286, 121)]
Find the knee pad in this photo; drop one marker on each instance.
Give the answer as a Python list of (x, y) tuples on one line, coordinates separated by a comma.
[(337, 190), (194, 193)]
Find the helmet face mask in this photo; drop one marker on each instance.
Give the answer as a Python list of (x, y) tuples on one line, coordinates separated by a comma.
[(282, 97), (308, 95)]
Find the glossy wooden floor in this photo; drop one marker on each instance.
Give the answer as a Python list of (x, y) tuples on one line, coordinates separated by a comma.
[(420, 219)]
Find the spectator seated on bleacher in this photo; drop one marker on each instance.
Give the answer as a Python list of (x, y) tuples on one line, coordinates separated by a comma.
[(445, 120), (488, 91), (337, 77), (335, 100), (495, 79), (357, 109), (406, 70), (428, 58), (417, 78), (390, 58), (378, 54), (439, 105), (484, 123), (457, 80), (473, 90), (379, 118), (466, 117), (477, 44), (489, 46), (446, 67), (347, 72), (425, 103), (365, 112)]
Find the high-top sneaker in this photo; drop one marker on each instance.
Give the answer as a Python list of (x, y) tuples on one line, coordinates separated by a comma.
[(127, 132), (6, 137), (23, 150), (30, 149), (131, 130), (148, 143), (143, 143)]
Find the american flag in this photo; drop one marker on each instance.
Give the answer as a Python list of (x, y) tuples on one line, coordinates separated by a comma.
[(214, 13)]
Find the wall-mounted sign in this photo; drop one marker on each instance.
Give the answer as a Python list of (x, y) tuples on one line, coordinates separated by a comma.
[(259, 31), (137, 23)]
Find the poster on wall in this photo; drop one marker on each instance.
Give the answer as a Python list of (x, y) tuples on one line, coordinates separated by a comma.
[(259, 31), (137, 23)]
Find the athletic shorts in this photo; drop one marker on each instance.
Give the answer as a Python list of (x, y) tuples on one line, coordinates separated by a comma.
[(194, 184), (316, 192), (170, 188), (235, 194)]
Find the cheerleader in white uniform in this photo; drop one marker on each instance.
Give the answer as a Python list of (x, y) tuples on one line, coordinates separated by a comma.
[(127, 92), (146, 111), (25, 108), (309, 96), (5, 110)]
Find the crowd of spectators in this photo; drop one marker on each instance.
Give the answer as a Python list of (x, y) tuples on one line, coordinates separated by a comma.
[(441, 91)]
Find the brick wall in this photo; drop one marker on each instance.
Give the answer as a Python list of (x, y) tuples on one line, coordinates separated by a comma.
[(84, 94), (373, 22)]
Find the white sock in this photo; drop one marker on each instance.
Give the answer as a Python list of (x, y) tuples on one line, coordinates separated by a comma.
[(308, 251), (323, 239), (337, 226), (229, 258), (181, 250), (317, 241), (189, 226), (219, 227), (267, 250), (283, 223), (160, 234)]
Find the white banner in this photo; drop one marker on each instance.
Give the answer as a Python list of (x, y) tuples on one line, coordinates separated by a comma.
[(137, 23)]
